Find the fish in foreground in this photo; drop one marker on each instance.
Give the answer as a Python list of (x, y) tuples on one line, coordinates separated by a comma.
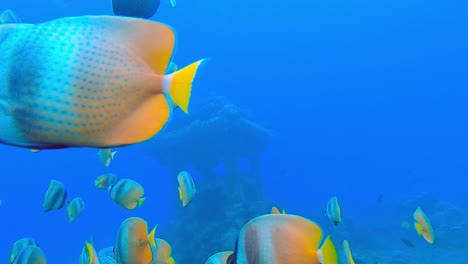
[(132, 244), (127, 193), (333, 211), (219, 258), (88, 81), (282, 238), (423, 226), (55, 197), (186, 188), (75, 208)]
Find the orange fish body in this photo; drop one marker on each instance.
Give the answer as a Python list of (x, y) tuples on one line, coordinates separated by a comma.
[(90, 81), (282, 239)]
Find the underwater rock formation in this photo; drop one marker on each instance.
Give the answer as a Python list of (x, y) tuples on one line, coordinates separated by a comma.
[(218, 133)]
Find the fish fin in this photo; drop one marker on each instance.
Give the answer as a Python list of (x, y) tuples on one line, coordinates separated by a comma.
[(112, 154), (90, 250), (179, 85), (171, 260), (151, 237), (327, 252), (180, 193), (274, 210), (418, 228), (141, 201)]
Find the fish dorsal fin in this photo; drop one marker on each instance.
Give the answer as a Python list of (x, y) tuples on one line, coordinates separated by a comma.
[(152, 41)]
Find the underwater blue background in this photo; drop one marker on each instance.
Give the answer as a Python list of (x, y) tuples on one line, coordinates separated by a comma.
[(366, 99)]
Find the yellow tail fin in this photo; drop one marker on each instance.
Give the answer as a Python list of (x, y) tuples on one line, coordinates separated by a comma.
[(179, 85), (327, 252)]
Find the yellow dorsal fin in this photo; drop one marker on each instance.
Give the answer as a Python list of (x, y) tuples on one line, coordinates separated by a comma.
[(151, 237), (90, 250), (180, 193), (274, 210), (152, 41)]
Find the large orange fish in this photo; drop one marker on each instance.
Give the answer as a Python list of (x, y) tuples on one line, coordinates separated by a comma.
[(90, 81)]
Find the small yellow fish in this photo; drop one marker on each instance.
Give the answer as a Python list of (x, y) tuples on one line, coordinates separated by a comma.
[(106, 156), (56, 196), (423, 226), (333, 211), (75, 208), (347, 253)]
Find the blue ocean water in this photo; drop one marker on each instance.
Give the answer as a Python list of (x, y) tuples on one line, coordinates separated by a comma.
[(365, 99)]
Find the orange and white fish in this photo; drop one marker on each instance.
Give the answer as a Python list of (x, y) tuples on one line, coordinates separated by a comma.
[(282, 238), (333, 211), (186, 188), (132, 244), (127, 193), (423, 226), (88, 81)]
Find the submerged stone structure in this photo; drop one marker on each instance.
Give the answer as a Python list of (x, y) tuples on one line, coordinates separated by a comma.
[(217, 134)]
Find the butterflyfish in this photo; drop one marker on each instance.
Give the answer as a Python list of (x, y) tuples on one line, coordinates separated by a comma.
[(88, 81)]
